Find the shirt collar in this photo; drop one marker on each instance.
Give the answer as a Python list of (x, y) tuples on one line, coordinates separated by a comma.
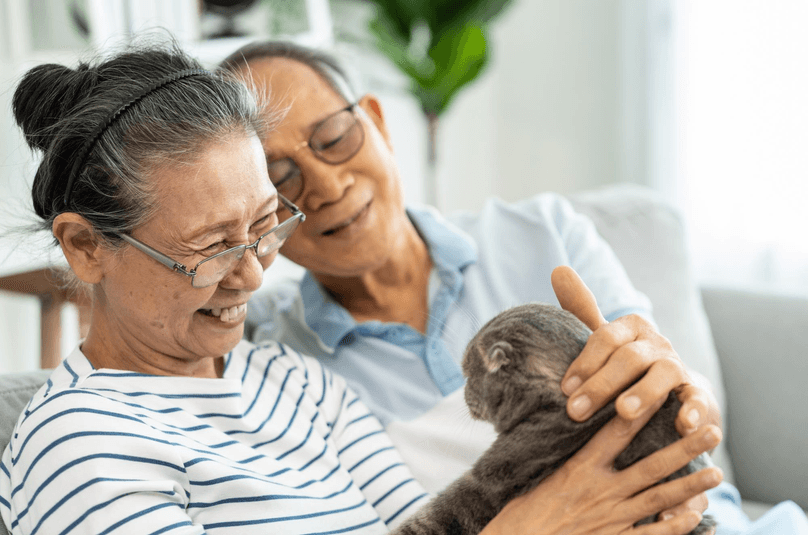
[(449, 247)]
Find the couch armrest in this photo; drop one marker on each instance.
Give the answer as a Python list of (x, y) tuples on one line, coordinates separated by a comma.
[(762, 344)]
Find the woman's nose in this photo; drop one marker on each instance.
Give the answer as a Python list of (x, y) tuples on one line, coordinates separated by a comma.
[(247, 275)]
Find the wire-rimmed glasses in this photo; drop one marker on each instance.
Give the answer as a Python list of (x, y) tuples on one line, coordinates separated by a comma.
[(213, 269), (335, 139)]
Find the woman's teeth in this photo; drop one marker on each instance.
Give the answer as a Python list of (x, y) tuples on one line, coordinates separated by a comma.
[(227, 315)]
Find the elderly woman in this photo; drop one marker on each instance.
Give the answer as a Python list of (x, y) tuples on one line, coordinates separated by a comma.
[(154, 183)]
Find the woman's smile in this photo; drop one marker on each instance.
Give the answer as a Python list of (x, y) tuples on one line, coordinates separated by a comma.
[(231, 315)]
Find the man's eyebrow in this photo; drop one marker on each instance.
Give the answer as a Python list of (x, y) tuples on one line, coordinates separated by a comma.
[(221, 225)]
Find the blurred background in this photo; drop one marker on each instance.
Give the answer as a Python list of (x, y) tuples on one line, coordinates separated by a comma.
[(705, 101)]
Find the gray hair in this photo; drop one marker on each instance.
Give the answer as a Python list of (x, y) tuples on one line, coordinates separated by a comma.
[(59, 109), (324, 64)]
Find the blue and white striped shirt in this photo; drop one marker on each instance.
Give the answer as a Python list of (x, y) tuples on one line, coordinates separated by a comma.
[(277, 445)]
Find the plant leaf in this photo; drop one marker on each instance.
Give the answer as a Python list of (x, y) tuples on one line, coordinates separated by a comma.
[(459, 56)]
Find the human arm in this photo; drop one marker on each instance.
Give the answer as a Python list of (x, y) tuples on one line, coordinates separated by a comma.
[(92, 468)]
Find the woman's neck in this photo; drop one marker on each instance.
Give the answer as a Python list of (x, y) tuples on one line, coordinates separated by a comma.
[(104, 349)]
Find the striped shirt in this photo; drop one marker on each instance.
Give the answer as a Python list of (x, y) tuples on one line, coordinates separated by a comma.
[(278, 445)]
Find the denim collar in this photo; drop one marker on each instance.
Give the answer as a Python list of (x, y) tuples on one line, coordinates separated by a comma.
[(451, 251)]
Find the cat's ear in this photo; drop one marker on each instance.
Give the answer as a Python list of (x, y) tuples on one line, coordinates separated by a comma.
[(497, 356)]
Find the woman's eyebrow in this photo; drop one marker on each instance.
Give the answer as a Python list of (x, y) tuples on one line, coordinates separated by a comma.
[(222, 225)]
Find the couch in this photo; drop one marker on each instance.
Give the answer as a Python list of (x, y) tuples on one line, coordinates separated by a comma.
[(752, 345)]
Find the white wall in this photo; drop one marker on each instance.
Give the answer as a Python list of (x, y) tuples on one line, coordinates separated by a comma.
[(563, 105)]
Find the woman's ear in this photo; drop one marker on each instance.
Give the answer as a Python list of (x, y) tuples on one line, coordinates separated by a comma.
[(81, 246), (373, 108)]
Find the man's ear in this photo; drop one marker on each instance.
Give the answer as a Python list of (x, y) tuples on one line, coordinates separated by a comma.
[(373, 108), (81, 246)]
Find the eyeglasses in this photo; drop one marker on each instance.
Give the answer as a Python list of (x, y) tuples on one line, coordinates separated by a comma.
[(211, 270), (336, 139)]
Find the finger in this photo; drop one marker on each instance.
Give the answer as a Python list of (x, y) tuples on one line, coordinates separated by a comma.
[(697, 503), (695, 408), (678, 525), (661, 377), (661, 497), (624, 367), (598, 349), (611, 440), (666, 461), (574, 296)]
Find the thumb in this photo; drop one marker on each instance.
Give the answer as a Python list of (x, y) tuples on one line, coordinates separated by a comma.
[(575, 297)]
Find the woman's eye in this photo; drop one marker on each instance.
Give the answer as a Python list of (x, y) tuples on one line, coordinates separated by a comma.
[(214, 248)]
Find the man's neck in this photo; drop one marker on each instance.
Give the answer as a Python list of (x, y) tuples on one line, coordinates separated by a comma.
[(396, 291)]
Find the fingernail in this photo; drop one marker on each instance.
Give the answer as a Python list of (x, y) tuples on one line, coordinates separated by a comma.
[(571, 385), (710, 437), (632, 404), (580, 406), (665, 516), (693, 417)]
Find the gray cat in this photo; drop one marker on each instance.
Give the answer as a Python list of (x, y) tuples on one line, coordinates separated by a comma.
[(514, 367)]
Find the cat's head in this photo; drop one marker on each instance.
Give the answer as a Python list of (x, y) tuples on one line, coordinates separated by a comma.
[(515, 363)]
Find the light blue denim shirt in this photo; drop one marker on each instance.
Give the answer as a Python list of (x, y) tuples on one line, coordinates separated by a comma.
[(482, 264)]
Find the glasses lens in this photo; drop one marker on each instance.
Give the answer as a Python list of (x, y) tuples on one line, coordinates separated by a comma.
[(215, 268), (285, 176), (276, 237), (338, 138)]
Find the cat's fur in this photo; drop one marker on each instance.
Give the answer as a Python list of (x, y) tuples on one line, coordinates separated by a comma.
[(514, 367)]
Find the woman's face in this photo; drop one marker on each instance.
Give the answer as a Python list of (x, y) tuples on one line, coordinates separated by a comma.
[(220, 200), (354, 210)]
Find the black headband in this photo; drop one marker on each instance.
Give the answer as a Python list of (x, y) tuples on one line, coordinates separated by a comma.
[(81, 156)]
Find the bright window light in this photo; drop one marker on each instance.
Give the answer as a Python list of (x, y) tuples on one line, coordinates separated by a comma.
[(742, 86)]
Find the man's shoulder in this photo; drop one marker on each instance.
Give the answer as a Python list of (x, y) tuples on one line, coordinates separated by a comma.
[(541, 209)]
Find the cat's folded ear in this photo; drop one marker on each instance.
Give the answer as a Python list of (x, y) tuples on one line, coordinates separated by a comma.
[(497, 356)]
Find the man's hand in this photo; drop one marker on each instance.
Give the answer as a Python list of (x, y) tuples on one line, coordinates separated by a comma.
[(587, 496), (621, 352)]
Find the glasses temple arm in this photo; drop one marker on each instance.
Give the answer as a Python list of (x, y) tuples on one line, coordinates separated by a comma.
[(291, 207), (154, 253)]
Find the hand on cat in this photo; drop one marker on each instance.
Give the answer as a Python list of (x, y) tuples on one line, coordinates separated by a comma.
[(621, 352), (587, 496)]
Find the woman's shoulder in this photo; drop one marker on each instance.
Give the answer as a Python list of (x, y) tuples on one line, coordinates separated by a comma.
[(273, 358), (281, 364)]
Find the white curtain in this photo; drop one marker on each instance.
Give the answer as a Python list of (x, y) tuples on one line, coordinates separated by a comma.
[(742, 101)]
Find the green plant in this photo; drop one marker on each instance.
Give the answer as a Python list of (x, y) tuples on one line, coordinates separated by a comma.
[(441, 45)]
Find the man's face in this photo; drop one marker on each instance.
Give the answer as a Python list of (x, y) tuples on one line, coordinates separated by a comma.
[(354, 209)]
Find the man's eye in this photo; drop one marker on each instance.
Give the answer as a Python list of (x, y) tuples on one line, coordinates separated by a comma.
[(329, 144), (281, 171)]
